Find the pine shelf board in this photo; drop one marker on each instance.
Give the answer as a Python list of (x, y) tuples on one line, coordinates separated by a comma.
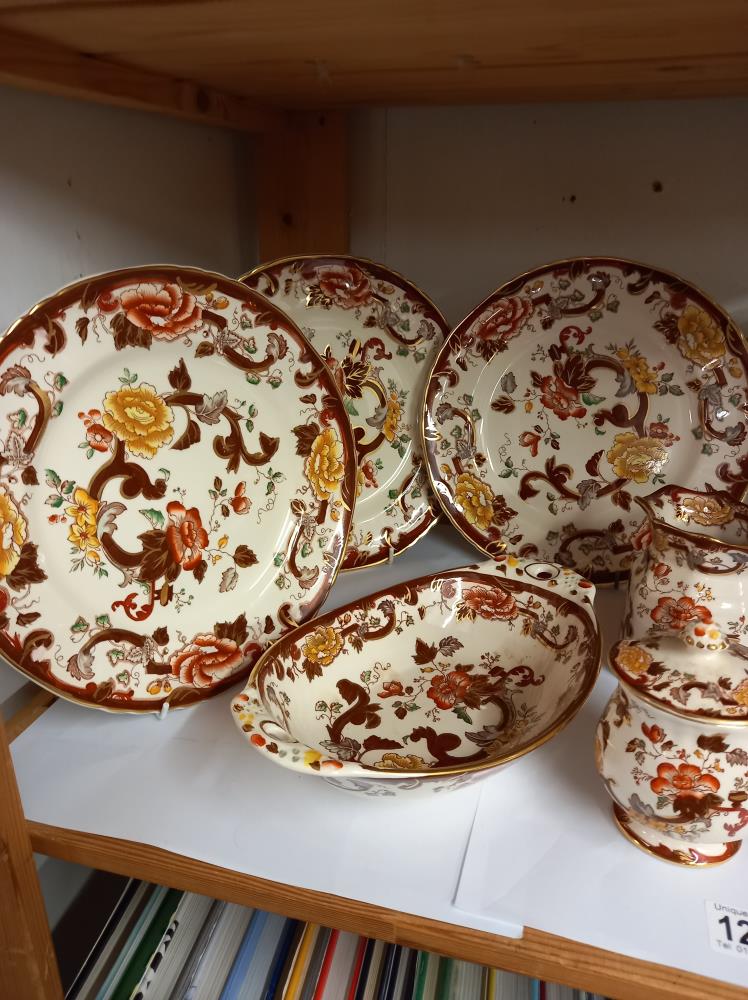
[(537, 953), (233, 63)]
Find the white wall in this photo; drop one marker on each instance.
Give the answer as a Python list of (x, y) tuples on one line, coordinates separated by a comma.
[(460, 199), (86, 188)]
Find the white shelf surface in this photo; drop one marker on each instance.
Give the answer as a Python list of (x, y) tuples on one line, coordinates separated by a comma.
[(189, 784)]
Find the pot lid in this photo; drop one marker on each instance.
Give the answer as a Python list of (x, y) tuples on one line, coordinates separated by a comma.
[(697, 675)]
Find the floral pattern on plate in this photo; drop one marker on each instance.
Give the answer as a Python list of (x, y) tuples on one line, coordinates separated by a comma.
[(176, 486), (451, 673), (570, 391), (379, 334)]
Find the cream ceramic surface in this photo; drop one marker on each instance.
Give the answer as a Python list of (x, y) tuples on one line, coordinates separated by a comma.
[(672, 745), (430, 683), (572, 390), (379, 334), (690, 567), (176, 486)]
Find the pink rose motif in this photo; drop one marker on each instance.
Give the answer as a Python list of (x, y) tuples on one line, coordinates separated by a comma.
[(345, 284)]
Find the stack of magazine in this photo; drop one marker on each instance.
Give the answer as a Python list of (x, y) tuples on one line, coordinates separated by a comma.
[(163, 944)]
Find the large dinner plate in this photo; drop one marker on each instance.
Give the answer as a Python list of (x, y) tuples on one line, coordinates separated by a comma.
[(571, 390), (176, 488), (379, 334)]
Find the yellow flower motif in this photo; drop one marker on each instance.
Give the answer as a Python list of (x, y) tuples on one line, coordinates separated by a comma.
[(324, 467), (701, 340), (13, 531), (392, 417), (636, 458), (633, 659), (643, 377), (475, 499), (322, 646), (311, 757), (705, 510), (397, 762), (84, 508), (139, 418), (83, 536), (360, 481), (741, 693)]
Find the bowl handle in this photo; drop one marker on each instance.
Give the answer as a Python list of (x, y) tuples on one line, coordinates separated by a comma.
[(552, 576)]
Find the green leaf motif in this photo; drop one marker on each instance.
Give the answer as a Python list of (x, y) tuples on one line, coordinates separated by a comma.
[(52, 478), (403, 352), (461, 713), (675, 390), (590, 399), (595, 315), (103, 621), (393, 494), (60, 381), (350, 408), (156, 518), (79, 625)]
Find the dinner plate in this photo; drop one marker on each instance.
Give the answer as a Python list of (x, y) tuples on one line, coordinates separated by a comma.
[(572, 389), (379, 334), (178, 474)]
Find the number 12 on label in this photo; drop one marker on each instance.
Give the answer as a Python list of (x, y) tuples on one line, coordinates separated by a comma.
[(728, 929), (725, 921)]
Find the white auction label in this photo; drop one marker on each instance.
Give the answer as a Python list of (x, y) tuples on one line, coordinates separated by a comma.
[(728, 928)]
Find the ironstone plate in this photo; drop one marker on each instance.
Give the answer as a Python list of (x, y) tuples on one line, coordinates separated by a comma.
[(176, 486), (569, 391), (379, 334)]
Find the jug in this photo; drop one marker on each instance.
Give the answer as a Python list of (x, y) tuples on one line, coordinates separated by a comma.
[(692, 552)]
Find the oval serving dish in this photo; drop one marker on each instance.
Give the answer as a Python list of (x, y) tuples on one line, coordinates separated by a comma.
[(428, 684)]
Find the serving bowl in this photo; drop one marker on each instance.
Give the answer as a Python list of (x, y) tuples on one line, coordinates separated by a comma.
[(429, 684)]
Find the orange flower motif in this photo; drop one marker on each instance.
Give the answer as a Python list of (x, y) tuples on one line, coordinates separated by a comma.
[(450, 689), (561, 398), (98, 437), (166, 310), (240, 503), (653, 733), (185, 536), (503, 319), (683, 779), (391, 689), (205, 661), (345, 284), (676, 614), (491, 603), (529, 440)]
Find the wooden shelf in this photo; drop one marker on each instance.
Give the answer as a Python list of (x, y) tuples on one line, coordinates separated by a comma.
[(233, 63), (537, 954)]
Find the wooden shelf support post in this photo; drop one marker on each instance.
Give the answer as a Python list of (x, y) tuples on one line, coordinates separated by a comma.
[(28, 966), (302, 189)]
